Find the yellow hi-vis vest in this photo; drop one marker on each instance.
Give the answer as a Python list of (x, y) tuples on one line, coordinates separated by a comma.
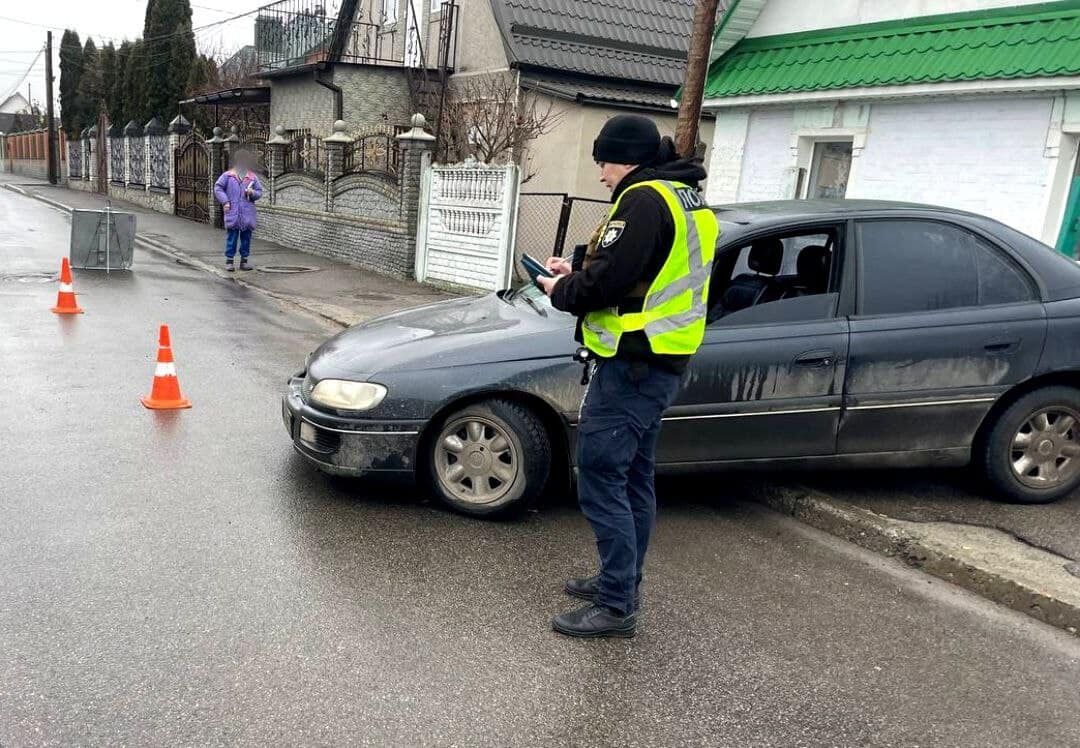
[(674, 309)]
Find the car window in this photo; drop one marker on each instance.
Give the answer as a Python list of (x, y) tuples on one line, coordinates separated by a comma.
[(920, 266), (770, 279), (1000, 281)]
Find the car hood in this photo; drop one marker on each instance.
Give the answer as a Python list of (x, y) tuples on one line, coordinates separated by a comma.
[(468, 331)]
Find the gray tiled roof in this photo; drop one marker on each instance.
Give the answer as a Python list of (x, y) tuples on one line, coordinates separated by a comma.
[(643, 41), (649, 96)]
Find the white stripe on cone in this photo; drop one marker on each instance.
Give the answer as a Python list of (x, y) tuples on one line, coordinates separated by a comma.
[(66, 288), (165, 370)]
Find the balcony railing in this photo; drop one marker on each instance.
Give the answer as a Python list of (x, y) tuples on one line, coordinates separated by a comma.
[(300, 32)]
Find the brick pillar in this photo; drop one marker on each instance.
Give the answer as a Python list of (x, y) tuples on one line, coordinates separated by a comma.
[(336, 145), (275, 166), (415, 148), (217, 166)]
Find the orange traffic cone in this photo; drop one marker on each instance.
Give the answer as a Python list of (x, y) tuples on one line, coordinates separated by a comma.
[(65, 300), (165, 394)]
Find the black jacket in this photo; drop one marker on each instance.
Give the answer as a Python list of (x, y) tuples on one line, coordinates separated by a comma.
[(632, 256)]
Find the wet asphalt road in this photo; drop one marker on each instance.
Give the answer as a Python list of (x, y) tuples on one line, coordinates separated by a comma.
[(183, 578)]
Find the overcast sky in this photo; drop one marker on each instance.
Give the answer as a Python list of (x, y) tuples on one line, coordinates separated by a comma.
[(23, 26)]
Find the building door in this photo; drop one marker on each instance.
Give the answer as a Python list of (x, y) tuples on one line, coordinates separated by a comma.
[(1069, 236), (192, 168), (829, 169)]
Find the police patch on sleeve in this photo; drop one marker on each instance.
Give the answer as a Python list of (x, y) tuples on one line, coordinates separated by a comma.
[(612, 232)]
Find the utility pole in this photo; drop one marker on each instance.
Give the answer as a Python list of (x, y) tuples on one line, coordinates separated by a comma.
[(697, 66), (50, 121)]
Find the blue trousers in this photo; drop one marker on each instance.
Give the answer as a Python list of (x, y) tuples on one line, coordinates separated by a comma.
[(231, 236), (616, 450)]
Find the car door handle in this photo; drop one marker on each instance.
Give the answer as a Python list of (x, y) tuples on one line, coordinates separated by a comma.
[(816, 358), (999, 347)]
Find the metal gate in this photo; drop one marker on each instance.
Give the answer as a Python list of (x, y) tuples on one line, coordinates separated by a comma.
[(192, 169)]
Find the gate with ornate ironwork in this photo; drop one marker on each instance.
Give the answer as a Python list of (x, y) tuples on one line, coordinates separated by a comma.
[(192, 169)]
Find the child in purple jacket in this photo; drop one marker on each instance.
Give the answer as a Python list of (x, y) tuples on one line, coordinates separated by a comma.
[(237, 190)]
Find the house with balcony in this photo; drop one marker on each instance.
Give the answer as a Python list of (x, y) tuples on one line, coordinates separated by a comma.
[(372, 63), (906, 100)]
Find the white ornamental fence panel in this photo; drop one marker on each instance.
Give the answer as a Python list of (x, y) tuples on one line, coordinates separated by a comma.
[(465, 231)]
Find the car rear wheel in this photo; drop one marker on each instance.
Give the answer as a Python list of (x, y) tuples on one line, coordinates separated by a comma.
[(1032, 453), (490, 458)]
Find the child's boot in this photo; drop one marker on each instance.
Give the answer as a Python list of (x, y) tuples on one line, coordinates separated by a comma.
[(229, 266)]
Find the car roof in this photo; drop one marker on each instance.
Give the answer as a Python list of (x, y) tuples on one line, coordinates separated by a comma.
[(778, 211), (1058, 275)]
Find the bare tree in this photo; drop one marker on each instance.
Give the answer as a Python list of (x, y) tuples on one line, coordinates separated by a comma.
[(492, 119)]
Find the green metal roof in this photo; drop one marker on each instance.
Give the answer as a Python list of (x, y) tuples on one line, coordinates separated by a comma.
[(1032, 41)]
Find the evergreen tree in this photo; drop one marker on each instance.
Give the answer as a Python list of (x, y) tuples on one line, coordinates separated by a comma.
[(118, 108), (170, 46), (135, 95), (71, 66), (146, 18), (107, 66), (89, 90)]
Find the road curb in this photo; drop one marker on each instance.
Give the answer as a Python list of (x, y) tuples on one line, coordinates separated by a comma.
[(198, 264), (1053, 599)]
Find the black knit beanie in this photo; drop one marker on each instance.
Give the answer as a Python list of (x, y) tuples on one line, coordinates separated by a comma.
[(627, 139)]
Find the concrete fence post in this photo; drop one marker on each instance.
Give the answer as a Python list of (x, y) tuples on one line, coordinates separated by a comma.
[(92, 154), (415, 147), (217, 166), (275, 165), (231, 144), (337, 143)]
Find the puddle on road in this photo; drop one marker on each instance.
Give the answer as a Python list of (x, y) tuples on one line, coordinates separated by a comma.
[(30, 277)]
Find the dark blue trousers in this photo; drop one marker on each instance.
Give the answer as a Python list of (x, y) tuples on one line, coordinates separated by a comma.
[(231, 235), (616, 449)]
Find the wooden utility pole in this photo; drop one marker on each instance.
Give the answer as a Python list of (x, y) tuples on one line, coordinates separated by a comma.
[(697, 66), (53, 167)]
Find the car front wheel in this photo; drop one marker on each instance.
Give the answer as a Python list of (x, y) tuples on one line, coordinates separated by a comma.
[(1032, 453), (490, 458)]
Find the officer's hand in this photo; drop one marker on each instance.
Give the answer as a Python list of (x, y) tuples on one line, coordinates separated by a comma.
[(548, 284), (559, 266)]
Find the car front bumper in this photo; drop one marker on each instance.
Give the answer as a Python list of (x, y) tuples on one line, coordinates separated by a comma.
[(348, 446)]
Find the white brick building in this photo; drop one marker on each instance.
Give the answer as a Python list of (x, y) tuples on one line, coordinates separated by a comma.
[(978, 109)]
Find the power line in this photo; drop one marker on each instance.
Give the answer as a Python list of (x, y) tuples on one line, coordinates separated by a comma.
[(161, 37), (19, 82)]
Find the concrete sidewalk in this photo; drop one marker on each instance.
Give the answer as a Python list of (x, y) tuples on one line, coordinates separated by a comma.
[(1022, 557), (336, 291)]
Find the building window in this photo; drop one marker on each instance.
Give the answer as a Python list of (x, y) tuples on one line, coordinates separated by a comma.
[(829, 169), (389, 11), (436, 5)]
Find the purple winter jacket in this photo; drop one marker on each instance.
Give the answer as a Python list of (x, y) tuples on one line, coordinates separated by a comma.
[(230, 188)]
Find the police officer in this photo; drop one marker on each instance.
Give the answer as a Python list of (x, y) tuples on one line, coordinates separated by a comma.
[(639, 291)]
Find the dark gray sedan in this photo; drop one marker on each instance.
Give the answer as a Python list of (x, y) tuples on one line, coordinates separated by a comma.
[(841, 334)]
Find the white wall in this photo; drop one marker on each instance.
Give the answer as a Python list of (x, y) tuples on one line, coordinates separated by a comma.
[(788, 16), (986, 154), (766, 156), (983, 155)]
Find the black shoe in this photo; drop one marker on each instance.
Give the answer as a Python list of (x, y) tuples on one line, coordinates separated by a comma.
[(587, 588), (594, 621), (244, 264), (229, 266)]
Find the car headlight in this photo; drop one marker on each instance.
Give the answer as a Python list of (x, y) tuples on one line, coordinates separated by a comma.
[(344, 395)]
